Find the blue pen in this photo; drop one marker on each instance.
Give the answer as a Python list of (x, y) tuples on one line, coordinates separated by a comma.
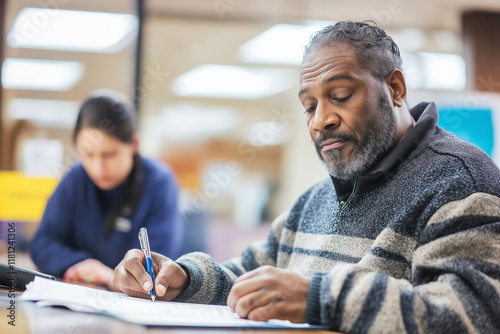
[(143, 239)]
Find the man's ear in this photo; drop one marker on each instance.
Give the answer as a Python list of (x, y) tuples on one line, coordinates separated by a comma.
[(397, 87)]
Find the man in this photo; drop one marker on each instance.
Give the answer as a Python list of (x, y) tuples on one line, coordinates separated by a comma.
[(404, 236)]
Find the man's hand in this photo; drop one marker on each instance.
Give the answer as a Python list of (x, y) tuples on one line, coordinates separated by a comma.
[(90, 271), (270, 293), (131, 276)]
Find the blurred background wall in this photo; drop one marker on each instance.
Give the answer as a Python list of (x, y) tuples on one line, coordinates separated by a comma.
[(216, 83)]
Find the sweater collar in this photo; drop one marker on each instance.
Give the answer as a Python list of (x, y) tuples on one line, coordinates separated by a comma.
[(425, 130)]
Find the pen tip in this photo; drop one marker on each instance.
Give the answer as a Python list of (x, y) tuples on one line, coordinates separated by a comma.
[(153, 298)]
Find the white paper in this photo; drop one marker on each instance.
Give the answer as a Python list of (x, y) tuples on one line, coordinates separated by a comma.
[(137, 310)]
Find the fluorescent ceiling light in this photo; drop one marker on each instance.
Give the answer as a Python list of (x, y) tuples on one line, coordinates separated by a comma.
[(444, 71), (233, 82), (410, 39), (39, 74), (188, 122), (50, 113), (71, 30), (436, 71), (280, 44)]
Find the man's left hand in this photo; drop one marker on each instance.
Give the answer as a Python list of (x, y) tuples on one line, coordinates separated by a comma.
[(270, 293)]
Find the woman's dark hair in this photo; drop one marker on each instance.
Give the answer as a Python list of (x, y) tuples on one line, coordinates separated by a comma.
[(111, 113), (375, 50)]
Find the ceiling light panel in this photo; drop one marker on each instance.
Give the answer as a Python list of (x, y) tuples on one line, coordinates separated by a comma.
[(434, 71), (233, 82), (280, 44), (41, 74), (71, 30), (49, 113)]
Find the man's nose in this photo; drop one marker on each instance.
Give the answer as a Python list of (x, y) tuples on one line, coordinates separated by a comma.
[(326, 117)]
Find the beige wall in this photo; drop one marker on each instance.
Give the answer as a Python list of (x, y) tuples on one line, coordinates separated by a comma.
[(180, 35)]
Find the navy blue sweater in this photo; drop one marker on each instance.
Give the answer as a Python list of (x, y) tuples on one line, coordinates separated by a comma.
[(71, 229)]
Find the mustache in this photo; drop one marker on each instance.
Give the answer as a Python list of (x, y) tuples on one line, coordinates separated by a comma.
[(334, 135)]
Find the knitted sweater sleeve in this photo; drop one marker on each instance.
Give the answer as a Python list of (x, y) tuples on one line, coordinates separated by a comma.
[(211, 282), (455, 284)]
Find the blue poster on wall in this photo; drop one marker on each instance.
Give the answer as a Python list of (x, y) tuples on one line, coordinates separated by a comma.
[(472, 125)]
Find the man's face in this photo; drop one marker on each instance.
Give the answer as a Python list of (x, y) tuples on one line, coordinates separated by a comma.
[(349, 112)]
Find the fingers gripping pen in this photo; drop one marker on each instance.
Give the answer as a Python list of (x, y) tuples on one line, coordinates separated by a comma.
[(143, 239)]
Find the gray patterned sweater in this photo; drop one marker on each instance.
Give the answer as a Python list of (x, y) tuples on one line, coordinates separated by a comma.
[(411, 245)]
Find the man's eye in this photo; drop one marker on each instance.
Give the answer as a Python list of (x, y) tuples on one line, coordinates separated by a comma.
[(343, 99), (311, 109)]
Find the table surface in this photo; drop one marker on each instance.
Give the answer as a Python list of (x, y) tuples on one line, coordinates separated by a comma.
[(31, 319)]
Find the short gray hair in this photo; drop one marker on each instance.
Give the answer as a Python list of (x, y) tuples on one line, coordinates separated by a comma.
[(376, 51)]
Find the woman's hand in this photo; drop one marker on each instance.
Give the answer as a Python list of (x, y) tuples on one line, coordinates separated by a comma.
[(90, 271), (131, 276)]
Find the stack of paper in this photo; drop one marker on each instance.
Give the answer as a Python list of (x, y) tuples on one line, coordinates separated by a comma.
[(141, 311)]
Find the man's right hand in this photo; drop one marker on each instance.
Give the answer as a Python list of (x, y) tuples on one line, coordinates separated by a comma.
[(131, 276)]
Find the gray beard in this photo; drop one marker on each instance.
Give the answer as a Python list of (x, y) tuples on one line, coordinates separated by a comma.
[(378, 140)]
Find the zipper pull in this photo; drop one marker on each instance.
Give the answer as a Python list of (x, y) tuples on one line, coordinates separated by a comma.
[(341, 206)]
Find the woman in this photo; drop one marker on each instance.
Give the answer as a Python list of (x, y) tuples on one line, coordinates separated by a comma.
[(94, 215)]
